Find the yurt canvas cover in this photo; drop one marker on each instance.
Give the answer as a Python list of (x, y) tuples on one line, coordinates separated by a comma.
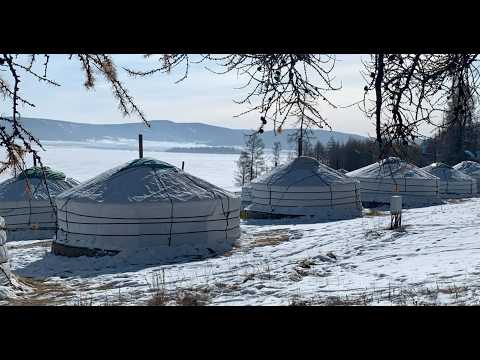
[(4, 266), (246, 196), (25, 204), (453, 183), (393, 176), (304, 187), (146, 204), (471, 168)]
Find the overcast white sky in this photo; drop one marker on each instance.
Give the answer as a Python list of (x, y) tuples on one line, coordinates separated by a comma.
[(202, 97)]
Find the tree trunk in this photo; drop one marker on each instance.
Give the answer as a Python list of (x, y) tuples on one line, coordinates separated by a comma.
[(378, 93)]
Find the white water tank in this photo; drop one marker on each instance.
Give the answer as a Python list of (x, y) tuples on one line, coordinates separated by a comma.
[(396, 204)]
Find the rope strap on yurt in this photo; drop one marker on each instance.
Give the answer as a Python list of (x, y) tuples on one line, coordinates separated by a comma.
[(66, 220), (227, 217), (171, 207), (6, 276), (331, 196)]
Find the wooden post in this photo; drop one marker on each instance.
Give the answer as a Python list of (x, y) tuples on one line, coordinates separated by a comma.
[(183, 165), (140, 146)]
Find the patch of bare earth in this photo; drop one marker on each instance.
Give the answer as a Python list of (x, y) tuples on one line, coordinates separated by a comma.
[(270, 238), (374, 212), (457, 201), (45, 244)]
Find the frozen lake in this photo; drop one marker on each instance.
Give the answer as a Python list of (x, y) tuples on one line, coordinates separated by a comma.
[(83, 162)]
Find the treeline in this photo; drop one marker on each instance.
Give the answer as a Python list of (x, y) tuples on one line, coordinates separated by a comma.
[(205, 150), (458, 139)]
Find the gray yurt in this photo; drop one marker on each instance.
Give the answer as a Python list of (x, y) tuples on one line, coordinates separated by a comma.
[(27, 204), (393, 176), (4, 266), (471, 168), (304, 187), (453, 183), (146, 206)]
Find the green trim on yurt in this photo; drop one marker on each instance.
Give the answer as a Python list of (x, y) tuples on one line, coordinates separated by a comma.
[(37, 172)]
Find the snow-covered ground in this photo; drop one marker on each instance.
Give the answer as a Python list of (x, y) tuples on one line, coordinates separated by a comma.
[(434, 259)]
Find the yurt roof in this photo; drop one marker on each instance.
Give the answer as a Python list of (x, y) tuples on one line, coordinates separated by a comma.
[(144, 180), (302, 171), (446, 173), (391, 167), (469, 167), (39, 173), (29, 185)]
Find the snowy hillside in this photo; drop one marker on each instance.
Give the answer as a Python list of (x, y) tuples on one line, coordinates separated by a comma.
[(164, 131)]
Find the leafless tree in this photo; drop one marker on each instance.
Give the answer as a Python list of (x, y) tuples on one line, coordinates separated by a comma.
[(409, 89), (276, 86), (403, 91), (14, 137)]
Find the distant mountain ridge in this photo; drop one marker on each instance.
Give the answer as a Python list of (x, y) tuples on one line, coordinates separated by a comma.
[(163, 130)]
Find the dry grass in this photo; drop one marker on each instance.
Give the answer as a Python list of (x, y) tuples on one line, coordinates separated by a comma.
[(270, 238), (44, 293), (183, 297), (160, 295), (192, 297), (402, 296), (374, 212)]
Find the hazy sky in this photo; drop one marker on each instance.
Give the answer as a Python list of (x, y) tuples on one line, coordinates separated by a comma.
[(202, 97)]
